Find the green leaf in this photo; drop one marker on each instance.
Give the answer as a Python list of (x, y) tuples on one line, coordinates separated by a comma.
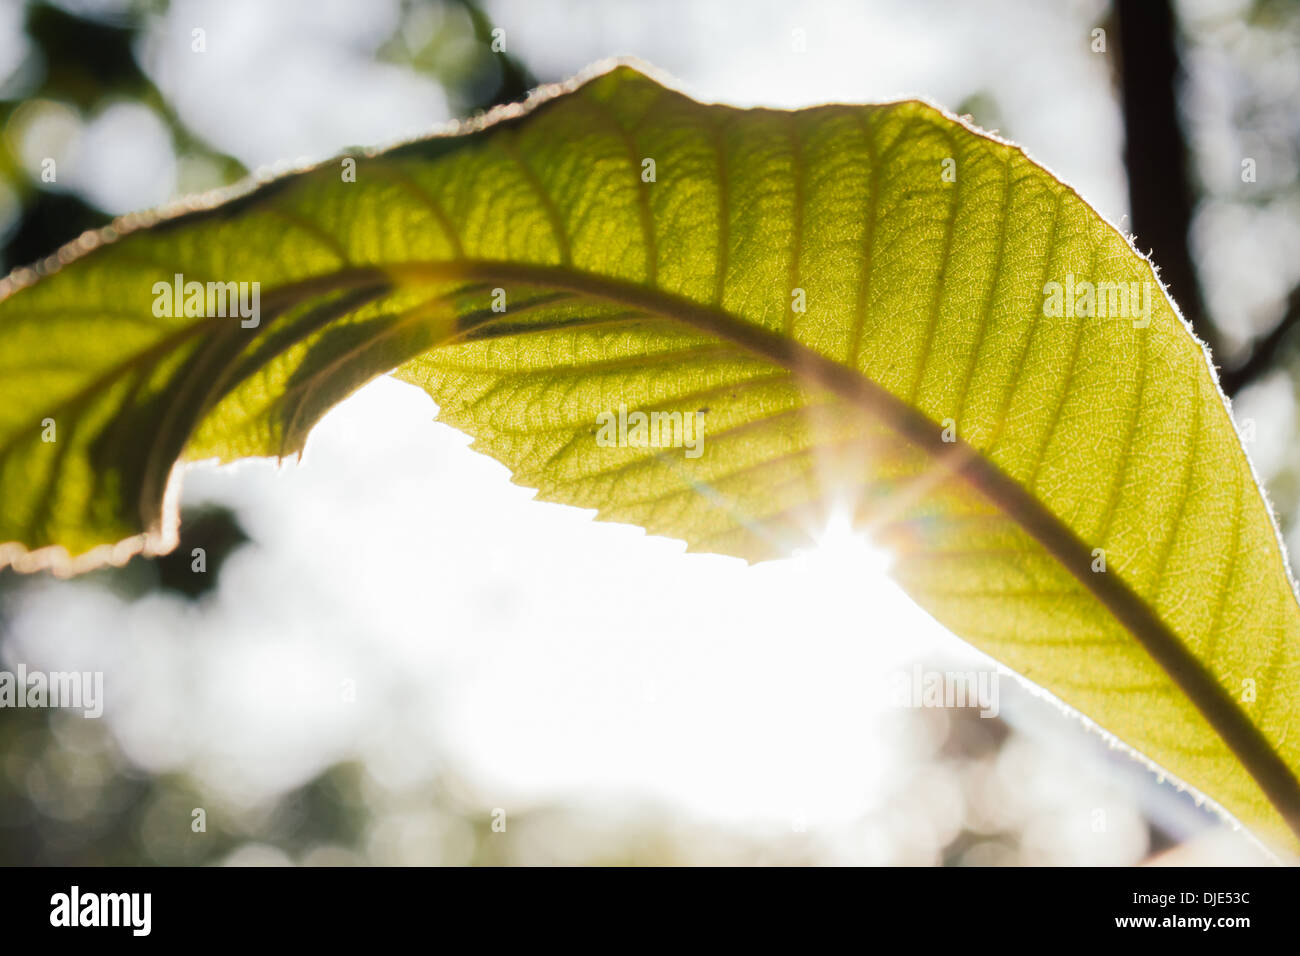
[(920, 250)]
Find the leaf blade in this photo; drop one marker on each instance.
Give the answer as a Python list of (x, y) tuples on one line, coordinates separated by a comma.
[(925, 305)]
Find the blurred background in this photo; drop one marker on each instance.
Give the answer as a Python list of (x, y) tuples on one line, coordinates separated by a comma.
[(395, 657)]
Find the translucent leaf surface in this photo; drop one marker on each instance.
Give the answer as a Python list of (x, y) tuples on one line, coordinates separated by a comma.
[(853, 306)]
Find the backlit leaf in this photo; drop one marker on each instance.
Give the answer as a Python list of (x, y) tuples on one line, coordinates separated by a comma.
[(866, 311)]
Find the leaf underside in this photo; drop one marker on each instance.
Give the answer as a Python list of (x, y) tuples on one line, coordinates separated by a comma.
[(924, 306)]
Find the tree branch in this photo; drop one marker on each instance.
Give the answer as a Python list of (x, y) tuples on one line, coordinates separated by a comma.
[(1155, 153), (1266, 351)]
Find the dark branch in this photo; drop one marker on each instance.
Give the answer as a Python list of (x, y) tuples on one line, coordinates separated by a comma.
[(1155, 153), (1266, 352)]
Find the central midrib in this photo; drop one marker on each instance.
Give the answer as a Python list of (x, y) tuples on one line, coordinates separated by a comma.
[(1220, 710)]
